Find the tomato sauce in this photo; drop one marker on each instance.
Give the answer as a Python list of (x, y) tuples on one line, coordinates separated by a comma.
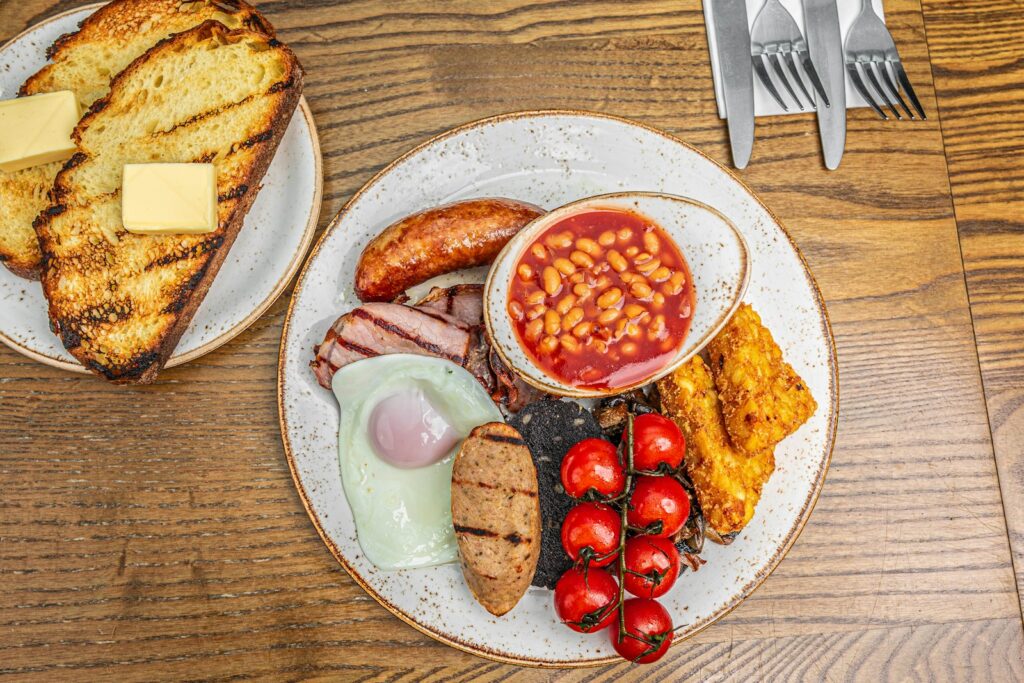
[(602, 299)]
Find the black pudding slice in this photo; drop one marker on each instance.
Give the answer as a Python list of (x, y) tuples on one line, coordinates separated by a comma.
[(550, 428)]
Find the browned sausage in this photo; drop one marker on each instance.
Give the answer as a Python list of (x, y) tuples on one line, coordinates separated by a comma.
[(437, 241)]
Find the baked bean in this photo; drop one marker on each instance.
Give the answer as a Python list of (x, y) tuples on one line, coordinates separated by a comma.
[(581, 290), (602, 282), (572, 318), (643, 257), (617, 261), (649, 267), (569, 343), (588, 246), (565, 266), (601, 346), (632, 330), (536, 297), (634, 310), (606, 238), (659, 299), (609, 297), (565, 303), (533, 329), (517, 310), (525, 272), (640, 290), (552, 281), (661, 274), (676, 283), (583, 329), (539, 251), (552, 322), (559, 241), (624, 234), (535, 312), (609, 316), (581, 259), (620, 327), (548, 344), (576, 277), (632, 251), (651, 242), (656, 328)]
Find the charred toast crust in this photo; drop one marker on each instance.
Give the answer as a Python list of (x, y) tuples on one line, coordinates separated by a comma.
[(19, 250), (143, 367), (132, 13)]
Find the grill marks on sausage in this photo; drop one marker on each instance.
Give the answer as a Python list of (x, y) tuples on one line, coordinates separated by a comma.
[(488, 485), (503, 439), (512, 537)]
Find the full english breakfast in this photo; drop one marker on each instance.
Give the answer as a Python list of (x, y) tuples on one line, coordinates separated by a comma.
[(590, 499)]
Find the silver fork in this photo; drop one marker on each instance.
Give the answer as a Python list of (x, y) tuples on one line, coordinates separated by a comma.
[(774, 39), (869, 48)]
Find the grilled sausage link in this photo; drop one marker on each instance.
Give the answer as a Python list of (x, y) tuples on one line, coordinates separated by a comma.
[(437, 241)]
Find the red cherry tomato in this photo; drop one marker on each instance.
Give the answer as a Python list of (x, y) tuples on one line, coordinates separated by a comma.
[(592, 465), (658, 499), (656, 560), (584, 600), (649, 629), (592, 526), (656, 440)]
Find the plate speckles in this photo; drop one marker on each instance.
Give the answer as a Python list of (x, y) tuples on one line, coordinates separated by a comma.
[(266, 254), (571, 155)]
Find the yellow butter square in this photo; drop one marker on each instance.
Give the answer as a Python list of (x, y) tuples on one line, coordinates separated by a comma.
[(36, 130), (169, 198)]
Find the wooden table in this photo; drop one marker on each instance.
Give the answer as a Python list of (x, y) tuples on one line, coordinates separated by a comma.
[(154, 532)]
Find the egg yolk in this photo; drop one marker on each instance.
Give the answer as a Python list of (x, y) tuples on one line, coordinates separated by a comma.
[(407, 431)]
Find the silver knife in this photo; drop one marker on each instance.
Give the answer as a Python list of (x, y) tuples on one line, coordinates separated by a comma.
[(732, 38), (825, 44)]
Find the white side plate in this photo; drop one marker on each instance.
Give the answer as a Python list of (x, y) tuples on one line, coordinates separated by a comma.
[(266, 254), (550, 159)]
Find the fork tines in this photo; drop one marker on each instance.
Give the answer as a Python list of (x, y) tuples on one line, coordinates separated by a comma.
[(776, 39), (870, 49), (877, 72)]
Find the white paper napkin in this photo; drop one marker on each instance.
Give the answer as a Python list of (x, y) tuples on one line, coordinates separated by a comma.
[(764, 103)]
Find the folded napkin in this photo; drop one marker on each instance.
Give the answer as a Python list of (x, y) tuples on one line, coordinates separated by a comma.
[(764, 103)]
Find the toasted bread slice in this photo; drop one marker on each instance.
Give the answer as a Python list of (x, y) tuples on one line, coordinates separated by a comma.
[(120, 301), (84, 62), (496, 515)]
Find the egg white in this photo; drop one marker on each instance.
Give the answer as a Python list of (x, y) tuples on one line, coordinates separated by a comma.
[(403, 516)]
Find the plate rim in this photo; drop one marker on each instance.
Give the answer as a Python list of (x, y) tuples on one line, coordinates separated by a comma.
[(279, 287), (740, 595)]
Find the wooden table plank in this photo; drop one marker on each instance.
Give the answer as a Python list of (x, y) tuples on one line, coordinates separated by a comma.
[(155, 533), (978, 58)]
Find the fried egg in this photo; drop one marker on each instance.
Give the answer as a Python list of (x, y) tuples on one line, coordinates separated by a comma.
[(403, 418)]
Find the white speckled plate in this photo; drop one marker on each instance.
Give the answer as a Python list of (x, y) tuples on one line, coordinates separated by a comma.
[(266, 254), (550, 159)]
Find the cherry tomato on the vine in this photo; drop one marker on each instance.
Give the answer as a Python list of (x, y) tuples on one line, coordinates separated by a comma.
[(659, 505), (648, 631), (656, 440), (592, 465), (585, 600), (652, 566), (591, 532)]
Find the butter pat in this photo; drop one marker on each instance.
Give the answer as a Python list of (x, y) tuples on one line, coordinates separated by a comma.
[(37, 130), (159, 199)]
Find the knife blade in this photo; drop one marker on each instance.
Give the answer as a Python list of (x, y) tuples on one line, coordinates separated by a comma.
[(825, 45), (732, 42)]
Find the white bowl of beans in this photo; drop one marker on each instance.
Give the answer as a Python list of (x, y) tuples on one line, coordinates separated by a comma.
[(612, 292)]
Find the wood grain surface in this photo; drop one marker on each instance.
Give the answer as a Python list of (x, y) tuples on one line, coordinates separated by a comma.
[(154, 533), (978, 60)]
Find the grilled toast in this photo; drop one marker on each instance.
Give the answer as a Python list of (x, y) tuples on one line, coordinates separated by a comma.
[(84, 62), (120, 301)]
